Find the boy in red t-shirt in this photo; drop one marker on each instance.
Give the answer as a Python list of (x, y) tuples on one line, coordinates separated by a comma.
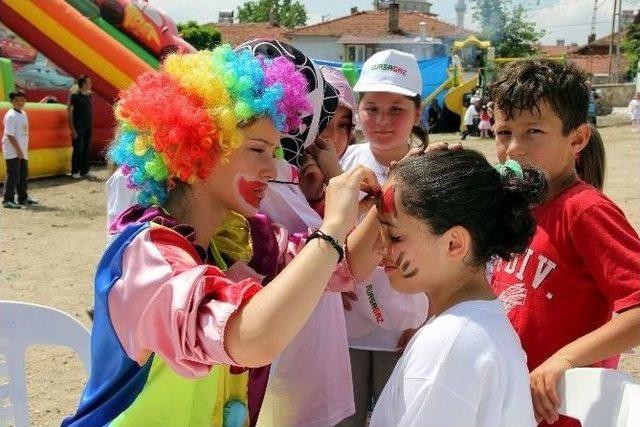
[(583, 263)]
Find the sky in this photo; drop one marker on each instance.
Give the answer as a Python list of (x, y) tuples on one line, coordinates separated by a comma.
[(561, 19)]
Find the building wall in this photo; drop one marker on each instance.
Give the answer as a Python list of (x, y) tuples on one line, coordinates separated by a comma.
[(326, 48), (420, 51), (319, 47), (417, 6), (617, 95)]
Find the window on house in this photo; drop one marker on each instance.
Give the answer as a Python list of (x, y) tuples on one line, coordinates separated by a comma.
[(355, 53), (370, 50)]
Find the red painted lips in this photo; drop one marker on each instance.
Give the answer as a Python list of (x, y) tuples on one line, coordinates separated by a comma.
[(252, 192)]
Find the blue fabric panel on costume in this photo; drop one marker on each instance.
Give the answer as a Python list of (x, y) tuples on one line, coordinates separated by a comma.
[(113, 387)]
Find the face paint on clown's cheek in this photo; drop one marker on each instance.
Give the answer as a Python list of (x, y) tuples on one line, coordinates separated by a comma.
[(249, 191)]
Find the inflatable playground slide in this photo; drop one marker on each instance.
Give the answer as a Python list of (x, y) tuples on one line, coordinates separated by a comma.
[(74, 35)]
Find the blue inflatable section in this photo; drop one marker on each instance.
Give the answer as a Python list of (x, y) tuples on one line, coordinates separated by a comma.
[(433, 70)]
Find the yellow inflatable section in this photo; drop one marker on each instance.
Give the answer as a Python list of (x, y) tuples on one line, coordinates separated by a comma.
[(49, 139)]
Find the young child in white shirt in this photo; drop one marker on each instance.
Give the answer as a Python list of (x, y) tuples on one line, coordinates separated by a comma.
[(443, 215)]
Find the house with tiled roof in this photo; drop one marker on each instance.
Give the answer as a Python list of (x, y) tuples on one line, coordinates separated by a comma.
[(356, 37), (593, 58), (235, 34)]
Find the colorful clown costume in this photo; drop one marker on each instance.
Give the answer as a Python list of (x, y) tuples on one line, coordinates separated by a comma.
[(161, 308)]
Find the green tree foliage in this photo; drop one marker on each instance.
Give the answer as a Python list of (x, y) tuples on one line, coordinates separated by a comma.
[(287, 13), (506, 27), (200, 36), (631, 45), (519, 36)]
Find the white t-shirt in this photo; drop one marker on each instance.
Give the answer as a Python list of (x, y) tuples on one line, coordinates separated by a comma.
[(15, 124), (464, 368), (380, 314), (310, 382), (470, 114), (119, 198), (634, 109)]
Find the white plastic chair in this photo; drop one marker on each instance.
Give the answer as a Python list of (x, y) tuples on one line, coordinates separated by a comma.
[(21, 326), (600, 397)]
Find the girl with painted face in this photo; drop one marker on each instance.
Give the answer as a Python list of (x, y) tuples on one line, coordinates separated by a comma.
[(380, 319), (196, 139), (322, 158), (444, 215)]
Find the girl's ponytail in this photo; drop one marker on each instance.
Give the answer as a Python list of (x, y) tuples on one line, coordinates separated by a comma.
[(591, 161)]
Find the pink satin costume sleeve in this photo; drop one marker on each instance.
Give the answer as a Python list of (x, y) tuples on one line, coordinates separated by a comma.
[(167, 302), (289, 245)]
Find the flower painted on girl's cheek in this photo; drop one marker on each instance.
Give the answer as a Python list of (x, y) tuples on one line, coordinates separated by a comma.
[(251, 191)]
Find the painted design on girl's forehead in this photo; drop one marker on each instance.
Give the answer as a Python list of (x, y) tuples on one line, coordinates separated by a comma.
[(388, 203)]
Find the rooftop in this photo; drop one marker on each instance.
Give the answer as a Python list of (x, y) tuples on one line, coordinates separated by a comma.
[(236, 34), (373, 24)]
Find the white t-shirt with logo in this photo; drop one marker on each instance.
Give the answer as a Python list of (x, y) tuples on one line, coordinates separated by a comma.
[(463, 368), (380, 314), (15, 124)]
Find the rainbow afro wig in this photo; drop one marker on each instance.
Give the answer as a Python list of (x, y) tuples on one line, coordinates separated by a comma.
[(179, 122)]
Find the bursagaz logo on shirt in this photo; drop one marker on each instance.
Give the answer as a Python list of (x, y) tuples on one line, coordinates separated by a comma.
[(377, 313), (389, 67)]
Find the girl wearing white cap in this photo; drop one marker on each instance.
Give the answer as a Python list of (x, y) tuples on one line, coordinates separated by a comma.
[(380, 319)]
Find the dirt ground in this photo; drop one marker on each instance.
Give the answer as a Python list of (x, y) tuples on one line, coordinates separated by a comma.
[(49, 255)]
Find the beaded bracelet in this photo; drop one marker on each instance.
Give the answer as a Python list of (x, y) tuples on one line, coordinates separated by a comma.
[(321, 235)]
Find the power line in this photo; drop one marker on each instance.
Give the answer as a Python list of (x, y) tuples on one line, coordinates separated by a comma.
[(575, 25)]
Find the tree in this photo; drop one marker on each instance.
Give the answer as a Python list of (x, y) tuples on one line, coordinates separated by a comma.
[(506, 27), (286, 13), (491, 16), (519, 36), (200, 36), (631, 45)]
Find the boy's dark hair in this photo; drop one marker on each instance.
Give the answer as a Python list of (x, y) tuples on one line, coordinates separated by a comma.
[(525, 84), (82, 80), (449, 188), (16, 94), (591, 164)]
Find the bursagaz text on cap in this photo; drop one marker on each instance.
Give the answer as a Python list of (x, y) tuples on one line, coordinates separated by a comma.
[(389, 67)]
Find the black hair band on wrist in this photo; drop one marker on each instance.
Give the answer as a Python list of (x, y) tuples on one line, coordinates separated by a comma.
[(321, 235)]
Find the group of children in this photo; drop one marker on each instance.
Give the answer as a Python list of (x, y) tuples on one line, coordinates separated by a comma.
[(478, 118), (360, 273)]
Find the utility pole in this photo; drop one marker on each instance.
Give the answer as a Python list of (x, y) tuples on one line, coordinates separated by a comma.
[(618, 35), (613, 29), (592, 35)]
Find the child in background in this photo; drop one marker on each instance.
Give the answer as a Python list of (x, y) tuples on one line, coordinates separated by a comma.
[(444, 215), (171, 330), (380, 319), (582, 265), (309, 384), (485, 122), (322, 160), (634, 113), (15, 149), (470, 117)]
